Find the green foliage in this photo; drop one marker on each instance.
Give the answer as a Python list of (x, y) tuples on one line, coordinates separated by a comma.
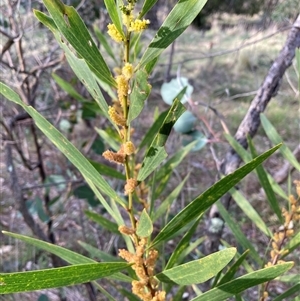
[(143, 196)]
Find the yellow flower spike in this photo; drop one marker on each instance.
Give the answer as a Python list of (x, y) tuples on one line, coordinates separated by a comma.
[(115, 117), (130, 186), (114, 157), (122, 88), (127, 18), (129, 148), (127, 71), (114, 33), (139, 25), (281, 236), (126, 230), (297, 183), (273, 254), (274, 245)]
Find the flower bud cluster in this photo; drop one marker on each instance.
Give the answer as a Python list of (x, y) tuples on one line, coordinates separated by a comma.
[(284, 233), (143, 266), (131, 23)]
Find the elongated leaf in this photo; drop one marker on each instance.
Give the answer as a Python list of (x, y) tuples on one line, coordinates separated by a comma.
[(156, 152), (198, 271), (108, 139), (130, 296), (148, 4), (249, 211), (164, 173), (74, 30), (181, 16), (242, 283), (150, 66), (273, 135), (238, 233), (291, 278), (246, 157), (107, 171), (102, 221), (192, 247), (66, 86), (113, 210), (233, 269), (201, 203), (154, 157), (292, 244), (103, 256), (294, 290), (263, 179), (78, 65), (57, 277), (144, 227), (67, 255), (61, 142), (168, 201), (114, 14), (149, 136), (105, 292), (103, 40), (182, 245), (140, 93)]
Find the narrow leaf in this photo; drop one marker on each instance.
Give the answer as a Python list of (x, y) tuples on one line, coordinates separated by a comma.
[(182, 245), (156, 152), (155, 155), (294, 290), (242, 283), (78, 65), (198, 271), (98, 254), (181, 16), (149, 136), (61, 142), (264, 181), (148, 4), (233, 269), (292, 244), (166, 203), (246, 157), (273, 135), (238, 233), (109, 139), (166, 170), (140, 93), (107, 171), (57, 277), (201, 203), (249, 211), (112, 9), (74, 30), (144, 227), (102, 221), (67, 87), (103, 40), (65, 254)]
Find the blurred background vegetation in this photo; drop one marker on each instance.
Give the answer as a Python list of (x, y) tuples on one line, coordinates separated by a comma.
[(225, 56)]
